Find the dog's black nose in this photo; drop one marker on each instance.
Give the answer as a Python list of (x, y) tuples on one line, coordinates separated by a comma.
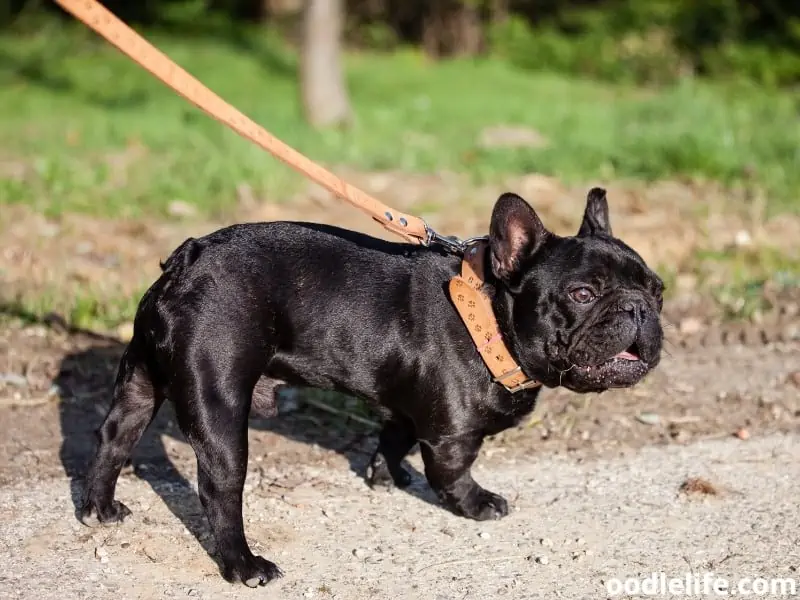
[(649, 339), (635, 307)]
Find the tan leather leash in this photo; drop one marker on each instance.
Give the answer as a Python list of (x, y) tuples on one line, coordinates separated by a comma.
[(472, 304), (105, 23)]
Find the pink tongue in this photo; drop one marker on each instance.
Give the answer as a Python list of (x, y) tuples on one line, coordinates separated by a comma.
[(627, 356)]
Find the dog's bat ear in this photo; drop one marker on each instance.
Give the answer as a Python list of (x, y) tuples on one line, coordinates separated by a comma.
[(515, 233), (595, 219)]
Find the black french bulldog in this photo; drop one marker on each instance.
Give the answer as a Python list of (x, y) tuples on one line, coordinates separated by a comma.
[(247, 308)]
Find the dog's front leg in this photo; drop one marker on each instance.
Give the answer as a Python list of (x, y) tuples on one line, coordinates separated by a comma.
[(395, 441), (448, 460)]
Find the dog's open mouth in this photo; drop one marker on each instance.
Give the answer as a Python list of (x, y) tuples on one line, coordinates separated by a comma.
[(622, 369), (629, 354)]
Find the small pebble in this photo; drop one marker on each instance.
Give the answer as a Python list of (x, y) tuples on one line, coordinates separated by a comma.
[(14, 379), (690, 326), (743, 238), (648, 418), (101, 554), (360, 553), (181, 209), (542, 560), (484, 535), (546, 542), (743, 434), (125, 332)]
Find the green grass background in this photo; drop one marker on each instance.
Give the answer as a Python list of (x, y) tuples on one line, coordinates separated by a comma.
[(69, 102)]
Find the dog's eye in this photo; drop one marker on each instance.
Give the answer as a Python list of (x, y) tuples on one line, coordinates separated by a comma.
[(582, 295)]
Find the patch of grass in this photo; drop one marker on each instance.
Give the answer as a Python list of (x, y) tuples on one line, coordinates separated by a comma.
[(738, 279), (94, 312), (85, 129), (86, 310)]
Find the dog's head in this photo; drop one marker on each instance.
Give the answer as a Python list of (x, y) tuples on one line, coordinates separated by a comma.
[(584, 310)]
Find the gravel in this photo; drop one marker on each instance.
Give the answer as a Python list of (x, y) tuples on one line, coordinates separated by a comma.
[(575, 526)]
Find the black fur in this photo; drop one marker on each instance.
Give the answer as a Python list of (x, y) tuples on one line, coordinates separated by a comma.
[(244, 309)]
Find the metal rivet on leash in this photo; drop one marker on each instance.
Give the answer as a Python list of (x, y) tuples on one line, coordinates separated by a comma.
[(388, 215), (403, 221)]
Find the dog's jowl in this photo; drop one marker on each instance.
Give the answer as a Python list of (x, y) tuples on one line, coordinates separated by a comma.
[(252, 306)]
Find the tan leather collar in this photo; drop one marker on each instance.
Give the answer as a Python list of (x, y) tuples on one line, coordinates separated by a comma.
[(475, 309)]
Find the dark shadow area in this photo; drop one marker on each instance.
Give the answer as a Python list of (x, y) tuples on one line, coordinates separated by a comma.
[(90, 373), (42, 71), (241, 40), (32, 72)]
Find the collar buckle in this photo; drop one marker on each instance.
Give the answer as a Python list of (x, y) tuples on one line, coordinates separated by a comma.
[(529, 383)]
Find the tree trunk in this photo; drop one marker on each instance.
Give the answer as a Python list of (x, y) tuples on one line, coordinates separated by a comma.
[(452, 28), (322, 84)]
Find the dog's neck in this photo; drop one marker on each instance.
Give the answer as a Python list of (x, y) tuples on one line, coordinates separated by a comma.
[(479, 304)]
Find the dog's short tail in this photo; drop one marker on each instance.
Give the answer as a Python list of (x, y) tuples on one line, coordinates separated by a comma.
[(183, 256)]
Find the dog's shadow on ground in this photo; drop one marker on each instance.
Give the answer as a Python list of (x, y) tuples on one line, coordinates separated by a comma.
[(86, 378)]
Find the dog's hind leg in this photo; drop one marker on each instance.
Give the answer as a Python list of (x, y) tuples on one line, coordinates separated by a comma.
[(134, 405), (395, 441), (212, 404)]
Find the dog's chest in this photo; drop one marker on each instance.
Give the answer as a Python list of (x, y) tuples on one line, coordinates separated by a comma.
[(508, 410)]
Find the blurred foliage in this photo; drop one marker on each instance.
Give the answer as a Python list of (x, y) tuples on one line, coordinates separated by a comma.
[(655, 41), (660, 40), (85, 129)]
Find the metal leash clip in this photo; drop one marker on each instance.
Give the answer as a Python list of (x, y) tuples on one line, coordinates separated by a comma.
[(451, 242)]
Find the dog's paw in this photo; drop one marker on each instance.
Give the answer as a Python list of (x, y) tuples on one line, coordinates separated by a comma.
[(483, 505), (91, 514), (252, 571), (379, 474)]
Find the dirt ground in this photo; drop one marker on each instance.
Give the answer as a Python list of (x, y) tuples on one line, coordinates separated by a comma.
[(59, 258), (595, 485), (594, 480)]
